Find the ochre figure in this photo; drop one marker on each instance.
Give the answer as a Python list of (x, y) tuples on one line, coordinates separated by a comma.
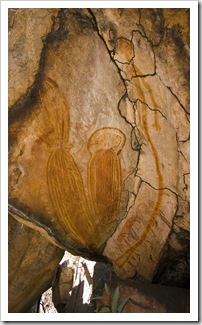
[(79, 217), (64, 180), (104, 173), (143, 117)]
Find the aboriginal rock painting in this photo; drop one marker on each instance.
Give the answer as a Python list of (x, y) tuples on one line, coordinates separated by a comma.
[(142, 112), (78, 213)]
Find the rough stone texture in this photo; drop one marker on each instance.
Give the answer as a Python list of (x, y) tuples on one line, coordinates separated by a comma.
[(139, 241), (62, 286), (26, 33), (86, 291), (141, 298), (73, 285), (149, 298), (99, 146), (65, 117), (147, 48), (44, 304), (32, 264)]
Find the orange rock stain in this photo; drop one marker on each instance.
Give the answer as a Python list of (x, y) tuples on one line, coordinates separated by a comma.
[(143, 117), (77, 215), (125, 48)]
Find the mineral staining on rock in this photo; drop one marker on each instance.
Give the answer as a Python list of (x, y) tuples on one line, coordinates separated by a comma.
[(139, 238), (160, 125), (79, 217), (104, 151), (27, 32), (104, 174), (69, 153), (64, 180), (32, 264)]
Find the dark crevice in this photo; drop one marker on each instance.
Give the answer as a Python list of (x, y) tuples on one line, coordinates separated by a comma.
[(181, 105), (141, 76), (129, 208), (169, 88), (109, 52), (23, 213), (186, 185), (125, 95), (162, 189), (152, 109), (183, 141), (182, 155), (144, 36), (173, 266), (133, 57)]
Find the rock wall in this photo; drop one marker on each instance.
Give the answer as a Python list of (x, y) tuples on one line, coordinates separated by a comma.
[(99, 134), (32, 266)]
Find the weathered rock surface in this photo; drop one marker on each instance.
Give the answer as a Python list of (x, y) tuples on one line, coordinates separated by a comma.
[(139, 297), (146, 46), (26, 33), (72, 152), (62, 286), (92, 286), (73, 285), (32, 265), (99, 146)]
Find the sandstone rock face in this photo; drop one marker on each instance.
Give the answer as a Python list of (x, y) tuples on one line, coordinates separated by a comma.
[(26, 35), (62, 286), (71, 155), (32, 264), (158, 188), (73, 285), (99, 146), (135, 297), (93, 287)]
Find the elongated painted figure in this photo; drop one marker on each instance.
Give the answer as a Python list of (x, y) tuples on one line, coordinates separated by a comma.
[(104, 172)]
